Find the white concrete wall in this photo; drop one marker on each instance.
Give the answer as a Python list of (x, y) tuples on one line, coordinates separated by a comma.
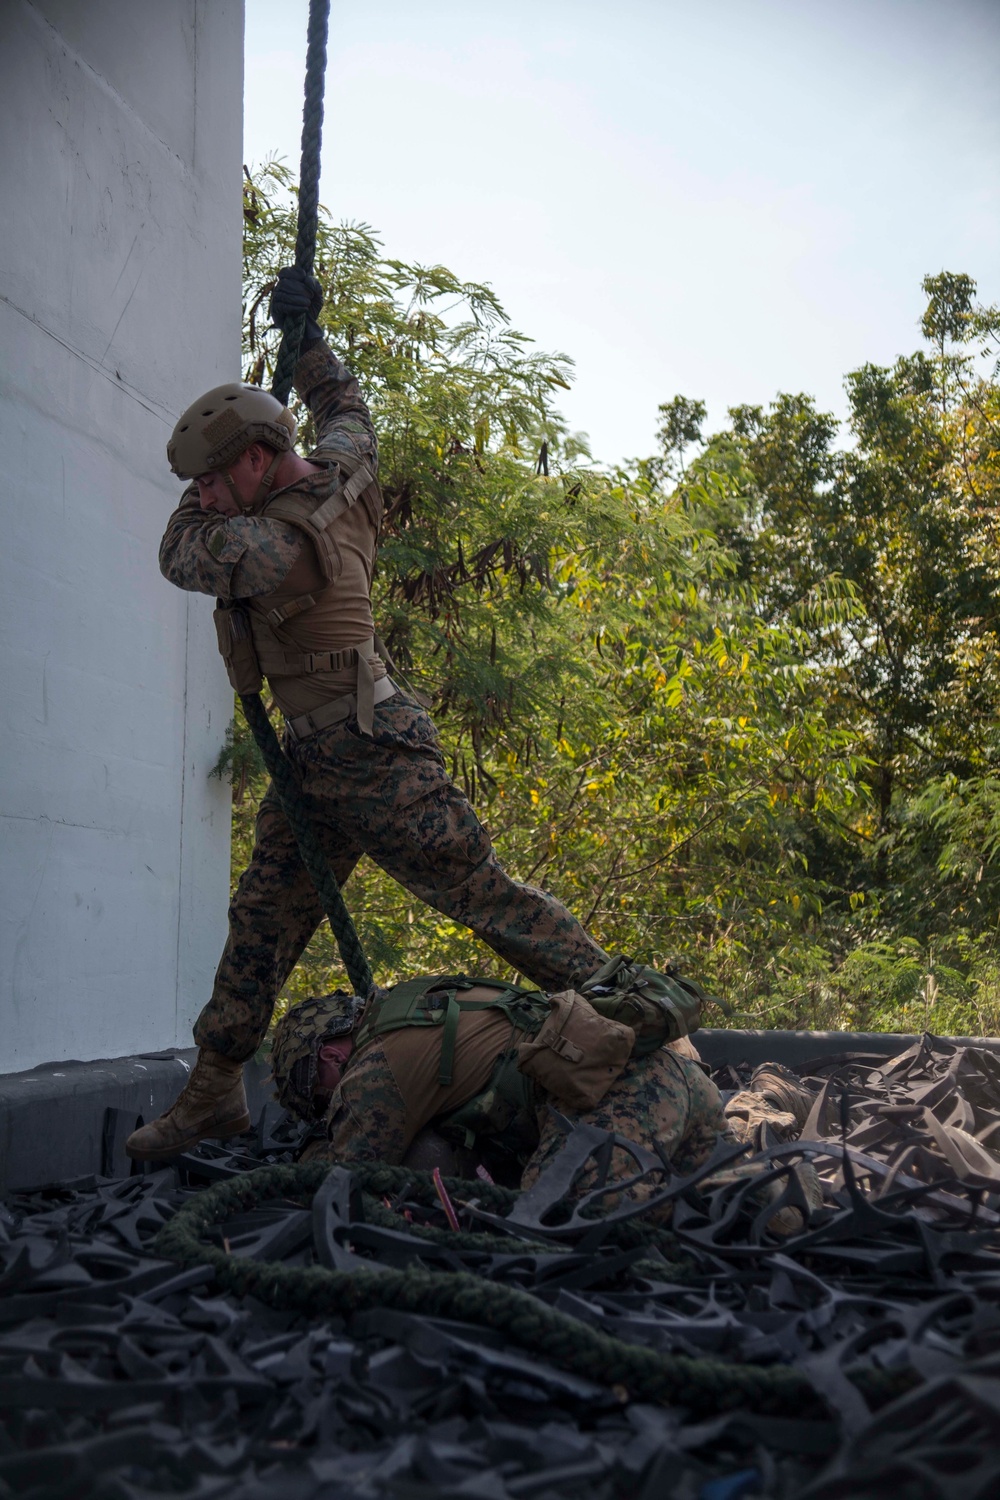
[(119, 301)]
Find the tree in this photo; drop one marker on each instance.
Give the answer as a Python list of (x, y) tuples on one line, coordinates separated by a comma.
[(635, 733), (735, 706), (899, 528), (681, 421)]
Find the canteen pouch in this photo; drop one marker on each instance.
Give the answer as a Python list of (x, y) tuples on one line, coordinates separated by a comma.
[(577, 1054), (232, 627)]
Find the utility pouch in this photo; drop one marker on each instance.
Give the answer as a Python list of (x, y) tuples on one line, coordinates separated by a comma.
[(577, 1054), (659, 1005), (232, 626)]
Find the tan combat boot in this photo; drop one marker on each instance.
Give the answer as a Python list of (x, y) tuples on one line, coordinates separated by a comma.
[(784, 1090), (776, 1098), (212, 1103)]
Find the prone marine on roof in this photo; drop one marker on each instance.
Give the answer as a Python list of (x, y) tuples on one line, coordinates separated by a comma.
[(287, 545), (470, 1074)]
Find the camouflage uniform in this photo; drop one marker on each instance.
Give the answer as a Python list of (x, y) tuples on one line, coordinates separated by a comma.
[(391, 1091), (388, 796), (663, 1097)]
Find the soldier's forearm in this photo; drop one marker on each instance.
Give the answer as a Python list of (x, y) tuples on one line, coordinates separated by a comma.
[(196, 552), (332, 394)]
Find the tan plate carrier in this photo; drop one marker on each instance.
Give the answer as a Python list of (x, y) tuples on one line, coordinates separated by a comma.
[(250, 637)]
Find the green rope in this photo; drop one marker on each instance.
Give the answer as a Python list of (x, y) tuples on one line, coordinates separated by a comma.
[(703, 1386), (313, 855), (280, 768), (308, 222)]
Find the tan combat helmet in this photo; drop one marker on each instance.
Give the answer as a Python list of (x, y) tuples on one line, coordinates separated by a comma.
[(216, 429)]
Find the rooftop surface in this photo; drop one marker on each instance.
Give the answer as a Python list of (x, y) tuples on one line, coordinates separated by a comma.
[(238, 1326)]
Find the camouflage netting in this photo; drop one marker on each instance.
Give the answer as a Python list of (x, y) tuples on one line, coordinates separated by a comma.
[(550, 1349)]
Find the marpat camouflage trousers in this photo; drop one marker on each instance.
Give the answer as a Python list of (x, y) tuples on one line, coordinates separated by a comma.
[(390, 797), (662, 1098)]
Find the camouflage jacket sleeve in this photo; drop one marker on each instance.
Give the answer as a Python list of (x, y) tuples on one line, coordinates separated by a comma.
[(342, 419), (233, 557)]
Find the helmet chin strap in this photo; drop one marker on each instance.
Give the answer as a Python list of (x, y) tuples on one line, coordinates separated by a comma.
[(262, 491)]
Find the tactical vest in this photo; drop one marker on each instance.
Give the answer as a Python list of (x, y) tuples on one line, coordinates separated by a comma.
[(563, 1046), (435, 1000), (568, 1046), (505, 1111), (250, 635)]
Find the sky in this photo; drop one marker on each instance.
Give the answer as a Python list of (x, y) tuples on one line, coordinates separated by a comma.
[(721, 199)]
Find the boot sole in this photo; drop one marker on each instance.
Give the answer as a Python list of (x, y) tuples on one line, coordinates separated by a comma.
[(214, 1133)]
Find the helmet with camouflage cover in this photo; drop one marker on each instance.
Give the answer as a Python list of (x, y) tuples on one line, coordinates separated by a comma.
[(298, 1036), (220, 425)]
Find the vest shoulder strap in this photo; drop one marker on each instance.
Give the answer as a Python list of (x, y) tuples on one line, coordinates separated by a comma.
[(316, 520), (400, 1005)]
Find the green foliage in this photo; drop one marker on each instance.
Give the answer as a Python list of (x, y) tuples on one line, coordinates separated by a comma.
[(899, 523), (949, 309), (735, 708), (681, 421)]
